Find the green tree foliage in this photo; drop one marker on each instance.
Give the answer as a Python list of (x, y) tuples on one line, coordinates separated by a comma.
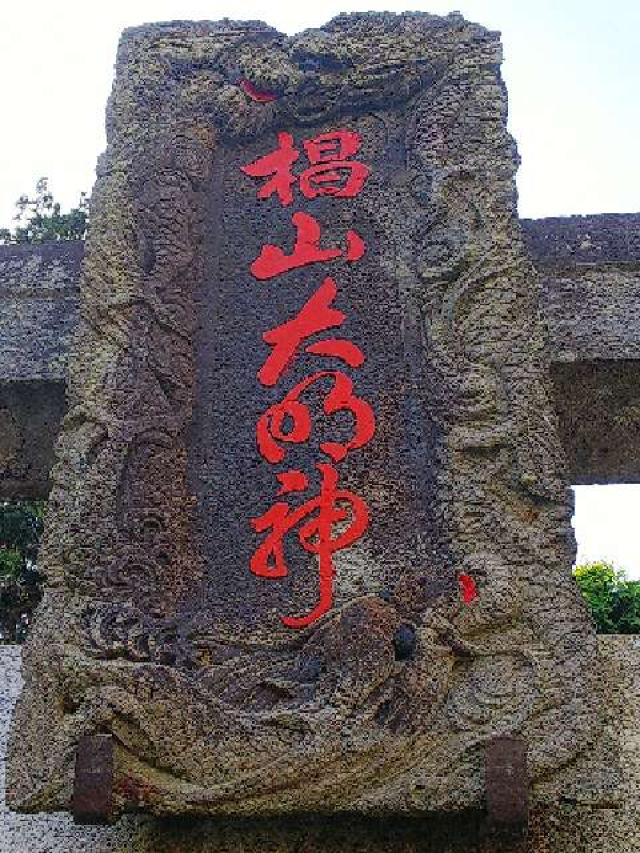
[(20, 582), (40, 220), (614, 600)]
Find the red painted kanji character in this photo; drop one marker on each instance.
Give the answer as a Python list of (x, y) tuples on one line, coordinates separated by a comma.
[(333, 146), (331, 173), (278, 165), (292, 481), (294, 413), (331, 507), (272, 261), (316, 315)]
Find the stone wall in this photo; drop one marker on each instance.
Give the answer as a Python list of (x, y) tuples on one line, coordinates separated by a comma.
[(30, 415), (604, 819), (571, 241), (38, 309), (590, 284)]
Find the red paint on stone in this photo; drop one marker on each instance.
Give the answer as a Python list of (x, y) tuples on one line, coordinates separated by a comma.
[(292, 481), (330, 173), (278, 165), (270, 431), (272, 261), (320, 515), (468, 588), (335, 518), (316, 315), (261, 96)]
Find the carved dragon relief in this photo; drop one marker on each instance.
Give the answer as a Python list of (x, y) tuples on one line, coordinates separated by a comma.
[(364, 709)]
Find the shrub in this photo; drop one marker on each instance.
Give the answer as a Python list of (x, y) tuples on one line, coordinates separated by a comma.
[(20, 582), (614, 600)]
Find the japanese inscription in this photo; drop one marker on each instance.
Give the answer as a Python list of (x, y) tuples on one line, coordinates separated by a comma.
[(336, 517), (302, 428)]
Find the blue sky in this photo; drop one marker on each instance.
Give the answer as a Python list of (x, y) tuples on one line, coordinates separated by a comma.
[(572, 68)]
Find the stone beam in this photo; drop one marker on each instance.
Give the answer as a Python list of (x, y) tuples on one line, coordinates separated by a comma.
[(38, 309), (590, 287), (38, 314), (589, 270), (590, 284)]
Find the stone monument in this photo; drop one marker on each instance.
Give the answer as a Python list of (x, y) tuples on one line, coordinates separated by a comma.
[(309, 538)]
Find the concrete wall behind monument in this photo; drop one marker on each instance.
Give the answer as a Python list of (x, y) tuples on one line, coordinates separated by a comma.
[(452, 622)]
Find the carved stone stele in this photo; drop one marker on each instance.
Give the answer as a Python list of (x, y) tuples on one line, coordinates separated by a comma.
[(153, 629)]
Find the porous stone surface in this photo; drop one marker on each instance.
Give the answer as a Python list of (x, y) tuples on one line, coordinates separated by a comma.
[(152, 628), (41, 833), (30, 417), (595, 240), (38, 315), (607, 820), (590, 296), (590, 285), (38, 309), (598, 404)]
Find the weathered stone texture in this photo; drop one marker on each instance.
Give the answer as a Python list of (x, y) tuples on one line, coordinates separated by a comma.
[(590, 284), (42, 833), (590, 296), (38, 316), (214, 708), (598, 404), (38, 310), (30, 417), (606, 821), (604, 814), (571, 241)]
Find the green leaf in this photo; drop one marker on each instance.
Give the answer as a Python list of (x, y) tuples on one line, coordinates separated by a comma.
[(614, 601)]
